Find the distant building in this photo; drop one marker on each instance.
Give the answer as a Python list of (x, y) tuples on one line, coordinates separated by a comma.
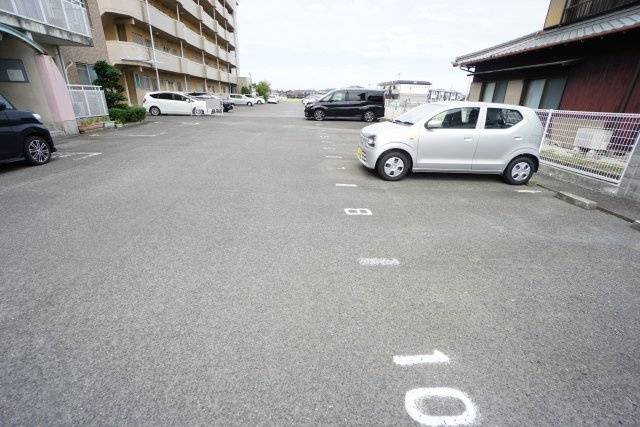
[(586, 58), (412, 91), (440, 95), (244, 82)]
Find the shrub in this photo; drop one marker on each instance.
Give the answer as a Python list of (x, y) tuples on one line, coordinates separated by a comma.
[(109, 78), (127, 114)]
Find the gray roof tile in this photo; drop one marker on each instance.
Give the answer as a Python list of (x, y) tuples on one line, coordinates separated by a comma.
[(614, 21)]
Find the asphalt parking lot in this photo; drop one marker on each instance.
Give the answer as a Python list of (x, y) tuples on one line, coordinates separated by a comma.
[(204, 270)]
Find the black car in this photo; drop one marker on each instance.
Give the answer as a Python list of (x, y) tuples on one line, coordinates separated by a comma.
[(226, 104), (367, 105), (23, 136)]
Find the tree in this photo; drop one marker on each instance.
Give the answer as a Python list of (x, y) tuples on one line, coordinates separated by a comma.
[(109, 78), (245, 90), (263, 88)]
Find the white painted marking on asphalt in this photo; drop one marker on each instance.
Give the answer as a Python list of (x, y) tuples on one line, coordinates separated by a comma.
[(413, 403), (529, 191), (86, 156), (144, 136), (358, 211), (347, 185), (328, 148), (333, 157), (66, 154), (342, 168), (379, 262), (436, 357)]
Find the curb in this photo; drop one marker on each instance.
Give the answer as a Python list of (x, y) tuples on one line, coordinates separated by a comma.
[(578, 201)]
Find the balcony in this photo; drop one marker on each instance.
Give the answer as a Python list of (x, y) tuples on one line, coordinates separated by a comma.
[(211, 48), (212, 73), (583, 9), (64, 20)]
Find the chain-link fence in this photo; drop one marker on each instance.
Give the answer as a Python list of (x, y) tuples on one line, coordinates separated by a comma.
[(70, 15), (88, 101), (598, 145)]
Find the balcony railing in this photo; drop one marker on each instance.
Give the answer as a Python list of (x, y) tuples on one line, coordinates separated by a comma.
[(68, 15), (583, 9), (88, 101)]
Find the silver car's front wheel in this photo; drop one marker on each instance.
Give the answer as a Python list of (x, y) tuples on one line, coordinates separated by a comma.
[(393, 166)]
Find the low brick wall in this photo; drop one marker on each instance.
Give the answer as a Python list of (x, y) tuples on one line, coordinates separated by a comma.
[(629, 187)]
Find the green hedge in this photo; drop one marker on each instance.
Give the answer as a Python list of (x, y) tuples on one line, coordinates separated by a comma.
[(127, 114)]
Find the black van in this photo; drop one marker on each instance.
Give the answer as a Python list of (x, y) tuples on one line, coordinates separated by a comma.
[(365, 104)]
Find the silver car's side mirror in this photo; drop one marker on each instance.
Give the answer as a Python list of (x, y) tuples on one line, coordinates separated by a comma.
[(434, 124)]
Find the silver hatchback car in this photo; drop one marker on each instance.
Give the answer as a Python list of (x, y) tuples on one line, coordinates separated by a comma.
[(460, 137)]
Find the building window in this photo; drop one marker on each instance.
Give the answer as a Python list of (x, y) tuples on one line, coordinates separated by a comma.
[(144, 82), (545, 93), (86, 74), (494, 91)]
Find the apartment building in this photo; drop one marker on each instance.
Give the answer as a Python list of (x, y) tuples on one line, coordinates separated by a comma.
[(586, 58), (31, 76), (183, 45)]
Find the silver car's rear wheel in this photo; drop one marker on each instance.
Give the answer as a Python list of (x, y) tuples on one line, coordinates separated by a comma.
[(519, 171)]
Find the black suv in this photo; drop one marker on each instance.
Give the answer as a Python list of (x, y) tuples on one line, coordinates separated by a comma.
[(23, 136), (367, 105)]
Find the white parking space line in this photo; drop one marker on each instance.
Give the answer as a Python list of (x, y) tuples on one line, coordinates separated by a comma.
[(328, 148), (144, 136), (379, 262), (74, 155), (86, 156), (342, 168), (333, 157), (529, 191), (358, 212), (436, 357), (347, 185)]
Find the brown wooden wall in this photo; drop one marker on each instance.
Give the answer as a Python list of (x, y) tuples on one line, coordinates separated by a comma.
[(601, 82)]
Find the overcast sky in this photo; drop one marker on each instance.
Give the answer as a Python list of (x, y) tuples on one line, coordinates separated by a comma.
[(299, 44)]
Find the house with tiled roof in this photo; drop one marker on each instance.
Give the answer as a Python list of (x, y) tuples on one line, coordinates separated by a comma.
[(586, 58)]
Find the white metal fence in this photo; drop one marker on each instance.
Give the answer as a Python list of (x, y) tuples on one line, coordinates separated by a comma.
[(598, 145), (69, 15), (88, 101)]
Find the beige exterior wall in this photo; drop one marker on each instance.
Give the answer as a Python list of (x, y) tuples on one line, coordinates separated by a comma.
[(514, 92), (86, 55), (183, 42), (475, 91)]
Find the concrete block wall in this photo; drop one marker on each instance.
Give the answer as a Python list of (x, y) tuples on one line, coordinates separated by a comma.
[(630, 186)]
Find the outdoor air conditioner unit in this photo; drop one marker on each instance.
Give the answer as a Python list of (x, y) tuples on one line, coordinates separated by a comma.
[(593, 139)]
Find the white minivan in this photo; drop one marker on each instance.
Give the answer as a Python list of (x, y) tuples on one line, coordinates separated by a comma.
[(461, 137), (157, 103)]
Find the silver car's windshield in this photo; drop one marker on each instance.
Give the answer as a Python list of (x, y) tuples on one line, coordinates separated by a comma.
[(413, 116)]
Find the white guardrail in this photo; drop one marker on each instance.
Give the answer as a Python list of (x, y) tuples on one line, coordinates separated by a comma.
[(69, 15), (598, 145), (88, 101)]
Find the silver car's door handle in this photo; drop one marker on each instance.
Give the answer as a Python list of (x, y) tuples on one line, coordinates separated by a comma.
[(518, 138), (468, 139)]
